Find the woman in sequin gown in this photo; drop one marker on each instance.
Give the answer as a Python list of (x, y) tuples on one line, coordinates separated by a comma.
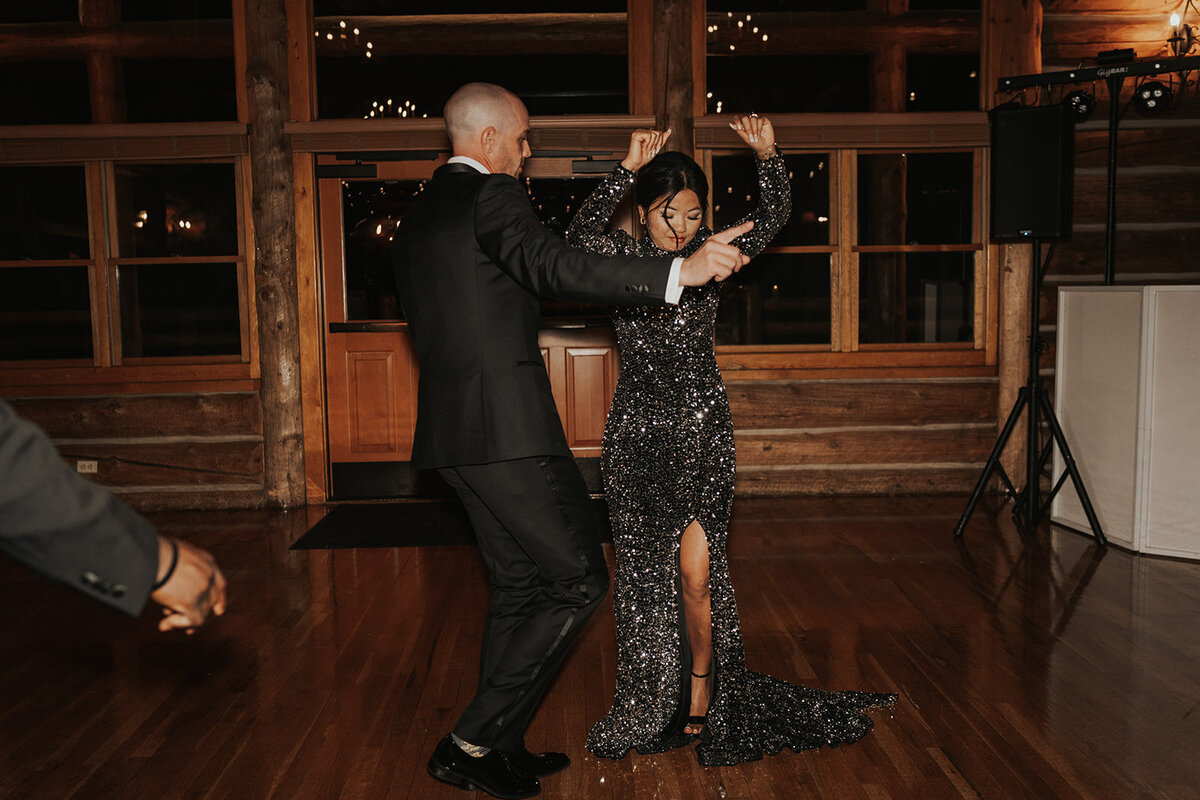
[(668, 468)]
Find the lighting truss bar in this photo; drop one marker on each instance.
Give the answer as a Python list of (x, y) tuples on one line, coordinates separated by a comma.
[(1150, 66)]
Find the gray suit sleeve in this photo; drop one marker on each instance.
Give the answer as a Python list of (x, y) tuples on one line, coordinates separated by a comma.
[(66, 527)]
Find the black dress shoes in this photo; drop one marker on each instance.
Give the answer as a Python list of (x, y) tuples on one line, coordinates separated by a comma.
[(492, 773), (539, 765)]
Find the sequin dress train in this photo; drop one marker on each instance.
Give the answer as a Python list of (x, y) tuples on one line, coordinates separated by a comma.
[(668, 459)]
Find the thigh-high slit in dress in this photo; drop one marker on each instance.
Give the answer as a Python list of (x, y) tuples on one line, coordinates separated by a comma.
[(667, 460)]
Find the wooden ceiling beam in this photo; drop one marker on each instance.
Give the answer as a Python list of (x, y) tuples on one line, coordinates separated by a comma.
[(824, 33), (1069, 38), (56, 41), (473, 34)]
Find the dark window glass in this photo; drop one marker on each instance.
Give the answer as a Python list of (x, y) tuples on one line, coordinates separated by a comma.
[(42, 11), (176, 210), (778, 298), (915, 198), (325, 8), (741, 84), (940, 5), (371, 210), (916, 297), (556, 200), (183, 90), (735, 195), (179, 310), (44, 93), (134, 10), (44, 313), (726, 6), (347, 86), (43, 213), (942, 83)]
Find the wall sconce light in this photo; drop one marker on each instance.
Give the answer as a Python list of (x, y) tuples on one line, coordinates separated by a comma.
[(1183, 36), (1081, 104), (1152, 98)]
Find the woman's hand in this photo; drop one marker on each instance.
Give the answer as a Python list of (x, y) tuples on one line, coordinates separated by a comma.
[(757, 132), (644, 145)]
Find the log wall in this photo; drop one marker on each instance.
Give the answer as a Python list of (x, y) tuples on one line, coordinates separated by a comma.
[(1158, 205), (163, 450)]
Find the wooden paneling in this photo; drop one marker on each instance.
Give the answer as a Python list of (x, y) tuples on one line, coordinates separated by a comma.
[(591, 380), (858, 479), (1075, 37), (150, 463), (867, 446), (857, 130), (818, 404), (137, 416), (1146, 255), (372, 396), (162, 450), (1144, 194), (57, 143)]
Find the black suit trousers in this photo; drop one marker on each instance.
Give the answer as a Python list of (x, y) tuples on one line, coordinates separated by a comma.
[(537, 534)]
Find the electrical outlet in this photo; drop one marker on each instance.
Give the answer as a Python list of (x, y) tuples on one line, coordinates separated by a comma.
[(86, 466)]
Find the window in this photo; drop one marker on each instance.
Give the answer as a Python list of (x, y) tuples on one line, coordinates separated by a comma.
[(883, 251), (371, 210), (917, 247), (25, 87), (575, 64), (180, 90), (178, 260), (45, 264), (145, 10), (784, 295), (774, 83), (115, 262), (942, 82)]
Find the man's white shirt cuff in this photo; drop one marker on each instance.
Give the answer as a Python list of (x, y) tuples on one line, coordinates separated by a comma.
[(674, 289)]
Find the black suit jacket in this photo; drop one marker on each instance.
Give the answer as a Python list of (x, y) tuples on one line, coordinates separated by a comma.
[(65, 526), (472, 260)]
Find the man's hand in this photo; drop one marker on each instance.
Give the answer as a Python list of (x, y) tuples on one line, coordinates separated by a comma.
[(716, 259), (195, 588), (644, 145)]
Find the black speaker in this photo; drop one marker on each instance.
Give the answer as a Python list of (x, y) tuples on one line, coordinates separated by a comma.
[(1033, 152)]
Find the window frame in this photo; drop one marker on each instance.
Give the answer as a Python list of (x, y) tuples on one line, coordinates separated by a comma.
[(99, 148), (844, 136)]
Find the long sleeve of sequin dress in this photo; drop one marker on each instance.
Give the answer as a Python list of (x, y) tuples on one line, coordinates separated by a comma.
[(667, 459)]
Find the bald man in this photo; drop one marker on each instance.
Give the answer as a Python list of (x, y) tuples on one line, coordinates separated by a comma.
[(472, 260)]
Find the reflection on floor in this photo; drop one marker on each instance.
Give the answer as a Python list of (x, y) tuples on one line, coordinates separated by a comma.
[(1027, 668)]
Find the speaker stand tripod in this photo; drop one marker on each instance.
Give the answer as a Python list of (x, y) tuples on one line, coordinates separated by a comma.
[(1029, 508)]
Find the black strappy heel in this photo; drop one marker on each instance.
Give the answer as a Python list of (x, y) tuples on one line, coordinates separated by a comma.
[(702, 719)]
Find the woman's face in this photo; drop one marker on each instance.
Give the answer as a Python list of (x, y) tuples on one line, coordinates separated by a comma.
[(672, 225)]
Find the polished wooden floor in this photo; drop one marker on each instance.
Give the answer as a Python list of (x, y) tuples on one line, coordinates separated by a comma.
[(1027, 668)]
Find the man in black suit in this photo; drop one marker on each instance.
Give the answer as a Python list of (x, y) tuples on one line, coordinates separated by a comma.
[(77, 532), (472, 260)]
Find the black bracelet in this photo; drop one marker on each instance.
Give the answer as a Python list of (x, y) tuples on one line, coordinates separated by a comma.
[(171, 569)]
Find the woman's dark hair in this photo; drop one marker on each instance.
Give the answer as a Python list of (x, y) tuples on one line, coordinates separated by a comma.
[(669, 174)]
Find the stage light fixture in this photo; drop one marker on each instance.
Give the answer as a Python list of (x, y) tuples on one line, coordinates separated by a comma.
[(1080, 103), (1152, 98)]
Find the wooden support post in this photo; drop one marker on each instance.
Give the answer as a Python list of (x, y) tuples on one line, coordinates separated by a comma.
[(1012, 45), (272, 214), (106, 74), (679, 69)]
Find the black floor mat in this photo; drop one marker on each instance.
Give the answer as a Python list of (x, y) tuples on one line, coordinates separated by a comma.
[(406, 524)]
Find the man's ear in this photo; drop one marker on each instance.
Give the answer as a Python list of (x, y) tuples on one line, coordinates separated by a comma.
[(487, 139)]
